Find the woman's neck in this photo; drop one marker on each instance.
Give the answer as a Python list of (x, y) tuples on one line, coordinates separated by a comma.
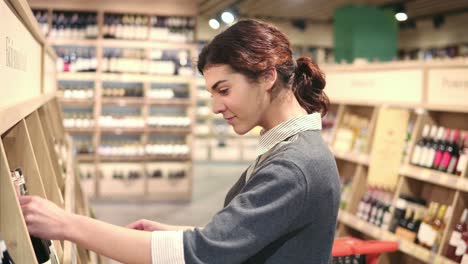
[(284, 107)]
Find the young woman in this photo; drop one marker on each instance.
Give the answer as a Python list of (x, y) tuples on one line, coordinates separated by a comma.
[(284, 207)]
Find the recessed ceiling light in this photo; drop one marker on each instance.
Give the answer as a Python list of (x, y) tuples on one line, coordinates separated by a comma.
[(401, 16), (214, 24)]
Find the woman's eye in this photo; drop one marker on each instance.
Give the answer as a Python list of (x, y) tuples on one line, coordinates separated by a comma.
[(223, 91)]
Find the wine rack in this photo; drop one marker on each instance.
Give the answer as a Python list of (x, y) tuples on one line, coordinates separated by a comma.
[(414, 181), (33, 137), (125, 79)]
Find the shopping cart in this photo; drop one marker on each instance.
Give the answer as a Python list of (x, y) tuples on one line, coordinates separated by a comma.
[(350, 250)]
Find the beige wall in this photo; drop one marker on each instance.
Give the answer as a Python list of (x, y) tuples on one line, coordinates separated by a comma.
[(315, 34), (454, 31)]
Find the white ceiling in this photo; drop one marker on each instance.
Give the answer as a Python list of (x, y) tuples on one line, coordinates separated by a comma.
[(322, 10)]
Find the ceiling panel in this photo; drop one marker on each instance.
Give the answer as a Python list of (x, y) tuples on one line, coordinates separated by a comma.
[(322, 10)]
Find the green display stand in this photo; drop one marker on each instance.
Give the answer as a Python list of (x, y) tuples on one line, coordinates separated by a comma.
[(364, 32)]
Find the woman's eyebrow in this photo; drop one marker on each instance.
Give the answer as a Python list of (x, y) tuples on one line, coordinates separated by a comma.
[(215, 86)]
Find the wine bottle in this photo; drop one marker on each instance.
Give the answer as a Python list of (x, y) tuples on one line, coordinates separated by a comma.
[(463, 160), (451, 153), (442, 145), (418, 148), (456, 238), (40, 246), (438, 225), (426, 235), (437, 140), (427, 147)]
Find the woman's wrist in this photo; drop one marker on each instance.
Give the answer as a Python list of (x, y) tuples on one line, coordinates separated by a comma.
[(70, 226)]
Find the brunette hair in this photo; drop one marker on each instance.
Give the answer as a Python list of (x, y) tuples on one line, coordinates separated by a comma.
[(252, 48)]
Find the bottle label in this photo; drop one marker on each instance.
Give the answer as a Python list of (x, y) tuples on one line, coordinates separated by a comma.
[(445, 159), (462, 163), (430, 158), (427, 235), (437, 158), (455, 238), (416, 155), (452, 165), (461, 248)]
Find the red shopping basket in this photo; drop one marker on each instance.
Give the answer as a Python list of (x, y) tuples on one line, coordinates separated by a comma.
[(356, 251)]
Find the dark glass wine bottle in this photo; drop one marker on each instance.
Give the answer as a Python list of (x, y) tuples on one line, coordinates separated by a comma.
[(41, 248)]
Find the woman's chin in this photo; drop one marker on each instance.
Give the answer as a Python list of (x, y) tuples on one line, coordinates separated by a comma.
[(241, 130)]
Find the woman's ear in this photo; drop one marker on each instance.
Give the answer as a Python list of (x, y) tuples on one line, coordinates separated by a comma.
[(269, 79)]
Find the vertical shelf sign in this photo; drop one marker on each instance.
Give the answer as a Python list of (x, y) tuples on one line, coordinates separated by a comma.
[(387, 148)]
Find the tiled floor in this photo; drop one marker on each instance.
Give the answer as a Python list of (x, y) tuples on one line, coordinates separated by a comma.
[(211, 183)]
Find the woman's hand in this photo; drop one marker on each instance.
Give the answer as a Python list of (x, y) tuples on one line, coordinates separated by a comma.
[(147, 225), (43, 218)]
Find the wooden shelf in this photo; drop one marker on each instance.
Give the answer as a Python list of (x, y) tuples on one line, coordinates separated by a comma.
[(124, 101), (76, 76), (80, 130), (85, 157), (164, 130), (72, 42), (169, 102), (122, 158), (121, 43), (144, 44), (144, 158), (362, 159), (435, 177), (123, 130), (156, 158), (375, 232), (130, 77), (446, 108), (76, 102)]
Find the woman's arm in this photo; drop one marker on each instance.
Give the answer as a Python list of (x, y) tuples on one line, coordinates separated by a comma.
[(147, 225), (46, 220)]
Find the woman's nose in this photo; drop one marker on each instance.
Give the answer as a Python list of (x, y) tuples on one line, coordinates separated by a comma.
[(218, 106)]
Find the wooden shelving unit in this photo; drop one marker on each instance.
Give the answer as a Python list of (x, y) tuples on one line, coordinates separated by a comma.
[(428, 101), (33, 137), (145, 104)]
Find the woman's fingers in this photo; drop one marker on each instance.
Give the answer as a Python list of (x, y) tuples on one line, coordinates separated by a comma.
[(25, 199)]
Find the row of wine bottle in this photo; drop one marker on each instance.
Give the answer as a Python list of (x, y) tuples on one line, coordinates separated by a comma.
[(76, 59), (136, 149), (414, 222), (86, 120), (44, 249), (174, 29), (86, 92), (134, 174), (74, 25), (441, 149), (83, 25)]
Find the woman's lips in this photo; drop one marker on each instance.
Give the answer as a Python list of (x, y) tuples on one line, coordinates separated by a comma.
[(230, 120)]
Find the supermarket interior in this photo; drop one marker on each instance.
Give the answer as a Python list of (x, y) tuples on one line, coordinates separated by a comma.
[(104, 113)]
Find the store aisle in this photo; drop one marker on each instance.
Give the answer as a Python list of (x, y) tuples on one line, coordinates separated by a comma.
[(211, 183)]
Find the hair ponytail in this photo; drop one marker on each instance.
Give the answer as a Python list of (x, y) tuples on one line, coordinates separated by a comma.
[(308, 85)]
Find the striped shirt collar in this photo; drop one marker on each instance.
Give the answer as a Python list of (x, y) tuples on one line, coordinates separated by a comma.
[(287, 129)]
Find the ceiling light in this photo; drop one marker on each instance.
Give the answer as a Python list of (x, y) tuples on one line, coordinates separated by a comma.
[(401, 16), (227, 17), (214, 24)]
